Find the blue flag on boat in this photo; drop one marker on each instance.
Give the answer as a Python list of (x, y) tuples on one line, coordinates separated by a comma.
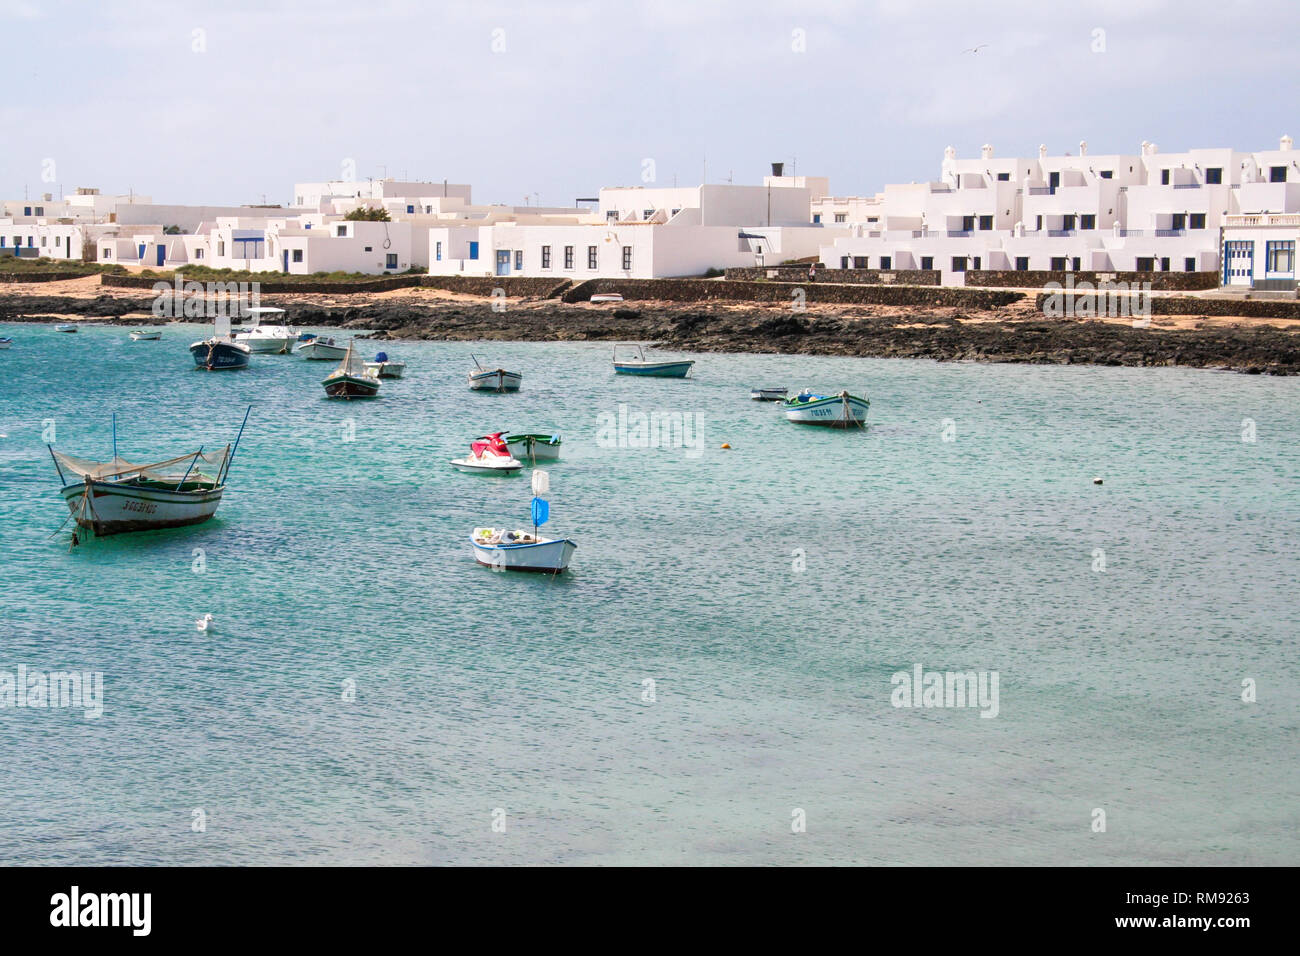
[(541, 511)]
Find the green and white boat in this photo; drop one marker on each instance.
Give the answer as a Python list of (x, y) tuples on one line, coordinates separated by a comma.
[(532, 448), (833, 411)]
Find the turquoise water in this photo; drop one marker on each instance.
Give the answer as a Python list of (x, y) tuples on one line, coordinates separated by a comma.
[(334, 561)]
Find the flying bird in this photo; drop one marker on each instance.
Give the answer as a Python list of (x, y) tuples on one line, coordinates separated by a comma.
[(975, 49)]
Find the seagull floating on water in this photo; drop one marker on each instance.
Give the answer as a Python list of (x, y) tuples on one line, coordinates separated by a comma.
[(203, 623)]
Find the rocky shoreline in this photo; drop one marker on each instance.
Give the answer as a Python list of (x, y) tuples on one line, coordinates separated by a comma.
[(1014, 334)]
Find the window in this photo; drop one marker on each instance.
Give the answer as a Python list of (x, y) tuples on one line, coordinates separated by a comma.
[(1277, 174), (967, 223), (844, 262), (841, 217), (299, 201), (1214, 175), (370, 249), (40, 210), (627, 257), (198, 253), (647, 213), (1004, 177), (473, 250), (817, 218), (611, 216), (390, 261), (221, 247), (1189, 264), (1058, 263), (297, 255), (519, 260), (986, 222), (27, 210), (591, 257), (1164, 177), (410, 208), (341, 230), (886, 262), (568, 257), (1038, 223), (975, 263), (1280, 257), (428, 210), (1088, 221), (1197, 220), (859, 262), (1022, 263), (1074, 263), (1146, 264), (927, 263), (546, 257), (1067, 223), (1178, 221), (1107, 174), (958, 263), (1164, 263), (437, 251), (106, 254)]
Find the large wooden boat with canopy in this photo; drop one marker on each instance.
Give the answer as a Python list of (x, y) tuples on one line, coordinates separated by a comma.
[(350, 379), (115, 496)]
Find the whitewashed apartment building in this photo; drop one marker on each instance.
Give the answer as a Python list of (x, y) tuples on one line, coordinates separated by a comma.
[(1148, 212)]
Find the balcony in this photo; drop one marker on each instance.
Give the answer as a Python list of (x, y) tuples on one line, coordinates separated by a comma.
[(1263, 219), (1041, 191), (1169, 233), (1059, 233), (1187, 185)]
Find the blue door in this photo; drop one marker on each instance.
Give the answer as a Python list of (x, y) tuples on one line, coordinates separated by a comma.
[(286, 260), (162, 253), (141, 256), (503, 262), (473, 250)]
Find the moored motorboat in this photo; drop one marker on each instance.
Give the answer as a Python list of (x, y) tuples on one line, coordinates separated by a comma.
[(146, 335), (841, 410), (534, 447), (273, 339), (600, 297), (5, 342), (384, 367), (488, 456), (321, 347), (65, 327), (220, 353), (520, 550), (634, 362), (768, 394), (494, 379), (117, 496), (350, 379)]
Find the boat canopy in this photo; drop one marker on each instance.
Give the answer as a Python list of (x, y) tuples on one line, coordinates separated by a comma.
[(201, 466)]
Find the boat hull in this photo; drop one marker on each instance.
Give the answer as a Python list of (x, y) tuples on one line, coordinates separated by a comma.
[(115, 508), (386, 369), (497, 380), (768, 394), (837, 411), (655, 369), (321, 351), (350, 386), (531, 448), (476, 468), (553, 556), (145, 336), (217, 356), (268, 344)]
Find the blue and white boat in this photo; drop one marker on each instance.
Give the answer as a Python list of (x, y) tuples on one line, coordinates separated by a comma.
[(834, 411), (520, 550), (220, 353), (5, 342), (634, 362)]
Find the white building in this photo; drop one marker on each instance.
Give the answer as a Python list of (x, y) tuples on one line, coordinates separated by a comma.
[(1149, 212)]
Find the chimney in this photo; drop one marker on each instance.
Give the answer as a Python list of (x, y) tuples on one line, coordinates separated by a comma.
[(778, 169), (1042, 151), (1285, 143), (986, 151), (1083, 147)]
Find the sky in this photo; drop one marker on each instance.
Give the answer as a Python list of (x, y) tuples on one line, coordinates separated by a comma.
[(544, 102)]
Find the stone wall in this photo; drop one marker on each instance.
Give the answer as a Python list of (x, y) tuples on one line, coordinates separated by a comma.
[(306, 286), (514, 286), (1183, 305), (853, 276), (41, 276), (1037, 279), (707, 290)]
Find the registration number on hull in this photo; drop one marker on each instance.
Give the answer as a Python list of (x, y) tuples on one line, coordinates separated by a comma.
[(144, 507)]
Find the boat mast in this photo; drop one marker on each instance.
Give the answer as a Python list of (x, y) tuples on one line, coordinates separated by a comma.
[(231, 457)]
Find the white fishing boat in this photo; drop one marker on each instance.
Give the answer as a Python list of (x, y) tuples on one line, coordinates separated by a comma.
[(494, 379), (65, 327), (116, 496), (384, 367), (634, 362), (146, 335), (323, 347), (520, 550), (274, 338), (5, 342), (503, 549), (600, 297), (533, 448), (768, 394), (841, 410), (488, 456)]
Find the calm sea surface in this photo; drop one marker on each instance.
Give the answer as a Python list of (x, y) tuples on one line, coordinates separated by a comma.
[(769, 592)]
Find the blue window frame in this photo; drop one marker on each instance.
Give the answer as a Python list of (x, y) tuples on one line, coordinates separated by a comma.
[(438, 251), (410, 209), (390, 261), (1279, 259)]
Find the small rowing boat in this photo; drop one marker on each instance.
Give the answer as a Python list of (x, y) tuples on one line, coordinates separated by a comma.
[(835, 411), (768, 394), (494, 379), (65, 327), (533, 448), (634, 362), (143, 335), (350, 379)]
